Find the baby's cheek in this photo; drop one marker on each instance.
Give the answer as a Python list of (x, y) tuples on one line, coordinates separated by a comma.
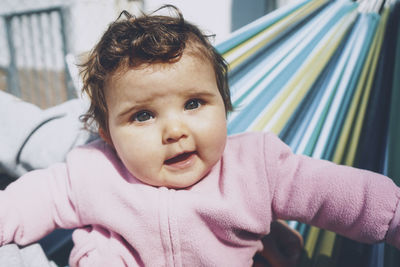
[(144, 166)]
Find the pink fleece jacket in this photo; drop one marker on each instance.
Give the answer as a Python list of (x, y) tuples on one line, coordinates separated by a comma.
[(217, 222)]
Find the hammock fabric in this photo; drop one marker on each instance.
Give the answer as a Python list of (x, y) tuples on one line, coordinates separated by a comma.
[(322, 75)]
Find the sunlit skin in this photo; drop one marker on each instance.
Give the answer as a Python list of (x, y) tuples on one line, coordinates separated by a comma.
[(167, 121)]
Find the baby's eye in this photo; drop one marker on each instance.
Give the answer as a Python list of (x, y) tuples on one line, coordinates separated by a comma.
[(142, 116), (193, 104)]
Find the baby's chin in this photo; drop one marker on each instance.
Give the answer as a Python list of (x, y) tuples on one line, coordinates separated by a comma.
[(177, 183)]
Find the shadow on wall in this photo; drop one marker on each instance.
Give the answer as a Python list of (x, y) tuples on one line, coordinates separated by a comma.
[(243, 13)]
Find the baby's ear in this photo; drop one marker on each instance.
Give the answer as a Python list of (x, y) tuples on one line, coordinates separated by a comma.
[(105, 136)]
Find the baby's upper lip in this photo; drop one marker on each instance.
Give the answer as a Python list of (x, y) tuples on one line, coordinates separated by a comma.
[(181, 156)]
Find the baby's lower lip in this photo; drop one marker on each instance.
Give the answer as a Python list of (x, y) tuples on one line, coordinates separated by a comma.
[(181, 161)]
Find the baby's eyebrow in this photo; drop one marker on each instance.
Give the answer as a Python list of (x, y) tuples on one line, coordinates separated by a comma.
[(131, 108), (200, 94)]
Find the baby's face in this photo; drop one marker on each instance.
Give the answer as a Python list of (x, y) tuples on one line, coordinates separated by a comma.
[(167, 121)]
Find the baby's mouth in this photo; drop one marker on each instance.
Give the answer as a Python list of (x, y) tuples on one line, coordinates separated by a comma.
[(181, 158)]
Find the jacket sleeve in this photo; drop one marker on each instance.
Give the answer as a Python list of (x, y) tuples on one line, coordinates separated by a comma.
[(35, 205), (359, 204)]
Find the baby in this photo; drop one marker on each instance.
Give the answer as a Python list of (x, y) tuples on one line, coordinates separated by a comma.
[(167, 187)]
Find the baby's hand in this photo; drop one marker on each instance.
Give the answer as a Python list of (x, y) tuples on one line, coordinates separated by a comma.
[(282, 247)]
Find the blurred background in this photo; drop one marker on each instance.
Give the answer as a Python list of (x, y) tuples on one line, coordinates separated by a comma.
[(40, 41)]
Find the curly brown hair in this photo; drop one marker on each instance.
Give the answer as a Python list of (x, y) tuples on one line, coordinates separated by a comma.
[(133, 41)]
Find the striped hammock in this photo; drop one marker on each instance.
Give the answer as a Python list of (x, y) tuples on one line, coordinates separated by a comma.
[(324, 76)]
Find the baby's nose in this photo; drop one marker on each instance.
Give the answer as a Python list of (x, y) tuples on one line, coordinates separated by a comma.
[(174, 130)]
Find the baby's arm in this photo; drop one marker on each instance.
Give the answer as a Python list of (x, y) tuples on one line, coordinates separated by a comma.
[(359, 204), (36, 204)]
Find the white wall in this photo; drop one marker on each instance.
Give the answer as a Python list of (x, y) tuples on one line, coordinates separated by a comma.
[(87, 26), (211, 16), (88, 20)]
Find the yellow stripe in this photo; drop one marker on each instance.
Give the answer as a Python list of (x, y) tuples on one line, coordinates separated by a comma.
[(311, 241), (304, 78), (364, 85), (358, 125), (274, 30), (328, 239), (327, 244)]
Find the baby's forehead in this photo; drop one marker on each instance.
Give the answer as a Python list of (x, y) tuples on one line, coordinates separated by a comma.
[(159, 65), (190, 67)]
